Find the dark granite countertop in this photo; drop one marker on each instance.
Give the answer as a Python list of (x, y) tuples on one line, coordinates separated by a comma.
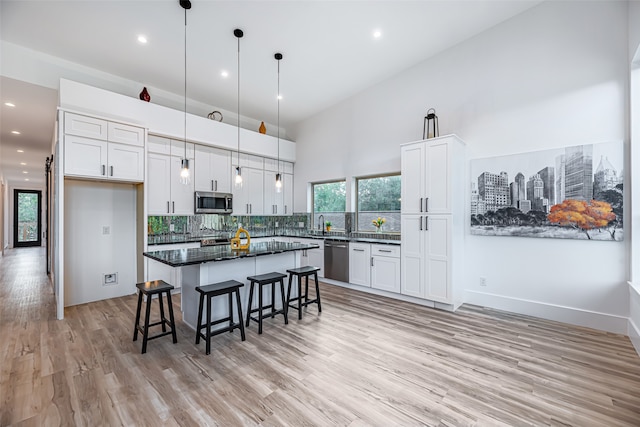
[(182, 257), (181, 238)]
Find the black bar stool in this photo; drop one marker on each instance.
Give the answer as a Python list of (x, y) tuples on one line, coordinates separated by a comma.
[(303, 272), (156, 287), (261, 280), (214, 290)]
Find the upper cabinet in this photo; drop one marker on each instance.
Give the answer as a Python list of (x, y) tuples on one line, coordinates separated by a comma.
[(100, 149), (213, 171)]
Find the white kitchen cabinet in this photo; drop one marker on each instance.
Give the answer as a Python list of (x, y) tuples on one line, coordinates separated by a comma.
[(287, 194), (385, 268), (314, 257), (167, 195), (273, 199), (214, 169), (125, 134), (86, 126), (432, 219), (248, 199), (360, 264), (101, 158)]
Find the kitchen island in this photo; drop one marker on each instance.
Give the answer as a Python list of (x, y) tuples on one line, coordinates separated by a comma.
[(212, 264)]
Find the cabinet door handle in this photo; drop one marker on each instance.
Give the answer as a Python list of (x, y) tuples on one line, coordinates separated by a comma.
[(216, 185), (276, 206), (358, 250), (371, 261), (420, 222), (247, 207), (168, 210), (174, 207), (212, 187), (250, 208), (285, 209), (426, 223), (111, 171), (103, 170), (426, 204), (384, 250), (420, 204)]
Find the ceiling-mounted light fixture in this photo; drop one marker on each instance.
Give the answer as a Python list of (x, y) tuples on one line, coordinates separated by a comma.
[(238, 33), (278, 57), (185, 176)]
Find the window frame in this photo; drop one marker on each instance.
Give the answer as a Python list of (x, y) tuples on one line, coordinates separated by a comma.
[(357, 198), (313, 200)]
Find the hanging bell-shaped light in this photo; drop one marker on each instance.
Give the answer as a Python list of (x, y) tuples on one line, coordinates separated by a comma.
[(278, 57), (185, 176)]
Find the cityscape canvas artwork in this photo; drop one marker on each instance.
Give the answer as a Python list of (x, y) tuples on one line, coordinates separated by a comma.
[(567, 193)]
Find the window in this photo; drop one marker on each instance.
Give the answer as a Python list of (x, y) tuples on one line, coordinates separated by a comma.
[(378, 196), (330, 201)]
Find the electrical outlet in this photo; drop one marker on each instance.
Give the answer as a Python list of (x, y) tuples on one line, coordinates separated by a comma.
[(276, 224), (172, 227), (483, 281), (300, 224), (110, 279)]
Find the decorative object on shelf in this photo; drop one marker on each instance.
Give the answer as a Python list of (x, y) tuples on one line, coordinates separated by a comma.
[(215, 115), (278, 57), (144, 95), (262, 129), (237, 243), (185, 176), (378, 224), (328, 225), (430, 128), (238, 181)]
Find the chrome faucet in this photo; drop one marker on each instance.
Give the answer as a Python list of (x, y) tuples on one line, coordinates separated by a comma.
[(321, 223)]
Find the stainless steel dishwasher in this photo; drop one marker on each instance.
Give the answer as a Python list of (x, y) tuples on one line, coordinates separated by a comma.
[(336, 260)]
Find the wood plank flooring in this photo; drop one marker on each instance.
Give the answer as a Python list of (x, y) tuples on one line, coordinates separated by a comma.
[(365, 361)]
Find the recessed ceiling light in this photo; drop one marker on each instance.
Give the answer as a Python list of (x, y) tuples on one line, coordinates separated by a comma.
[(20, 151), (15, 132), (142, 39), (26, 179), (224, 73), (23, 163), (377, 34), (9, 104), (279, 96), (25, 172)]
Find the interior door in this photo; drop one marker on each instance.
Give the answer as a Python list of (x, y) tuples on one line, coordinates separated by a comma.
[(27, 218)]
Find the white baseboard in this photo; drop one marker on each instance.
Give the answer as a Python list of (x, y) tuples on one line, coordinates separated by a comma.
[(574, 316), (633, 328), (634, 335)]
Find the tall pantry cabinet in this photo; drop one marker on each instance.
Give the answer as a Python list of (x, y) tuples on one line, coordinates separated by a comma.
[(433, 197)]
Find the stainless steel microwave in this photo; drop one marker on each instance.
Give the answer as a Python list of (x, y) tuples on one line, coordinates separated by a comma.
[(212, 202)]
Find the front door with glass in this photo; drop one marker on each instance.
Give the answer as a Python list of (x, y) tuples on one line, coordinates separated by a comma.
[(27, 218)]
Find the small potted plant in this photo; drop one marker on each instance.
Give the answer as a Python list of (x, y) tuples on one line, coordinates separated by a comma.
[(328, 224), (378, 224)]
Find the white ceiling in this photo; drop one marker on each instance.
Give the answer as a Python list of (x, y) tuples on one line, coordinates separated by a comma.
[(329, 52)]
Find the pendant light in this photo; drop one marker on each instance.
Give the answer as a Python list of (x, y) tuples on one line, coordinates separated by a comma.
[(238, 33), (278, 57), (185, 176)]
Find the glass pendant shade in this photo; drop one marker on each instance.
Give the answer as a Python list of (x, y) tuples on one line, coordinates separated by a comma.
[(185, 176), (278, 182), (238, 181)]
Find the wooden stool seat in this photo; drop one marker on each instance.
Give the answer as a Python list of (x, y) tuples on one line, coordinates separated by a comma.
[(261, 280), (217, 289), (155, 287), (299, 273)]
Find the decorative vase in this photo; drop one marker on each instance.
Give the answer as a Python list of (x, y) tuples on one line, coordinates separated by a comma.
[(379, 229), (263, 128), (328, 228), (144, 95)]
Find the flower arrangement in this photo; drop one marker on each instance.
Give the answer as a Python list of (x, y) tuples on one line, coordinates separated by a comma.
[(378, 223)]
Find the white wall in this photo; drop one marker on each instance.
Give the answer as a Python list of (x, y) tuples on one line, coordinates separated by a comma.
[(552, 77), (88, 252)]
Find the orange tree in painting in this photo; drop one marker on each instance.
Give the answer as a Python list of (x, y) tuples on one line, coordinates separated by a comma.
[(582, 215)]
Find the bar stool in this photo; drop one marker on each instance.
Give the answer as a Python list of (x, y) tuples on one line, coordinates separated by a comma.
[(261, 280), (156, 287), (214, 290), (303, 272)]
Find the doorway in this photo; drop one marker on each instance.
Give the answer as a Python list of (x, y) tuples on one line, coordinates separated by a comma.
[(27, 218)]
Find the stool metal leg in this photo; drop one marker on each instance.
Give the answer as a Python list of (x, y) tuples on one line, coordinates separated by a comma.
[(299, 297), (260, 309), (306, 290), (315, 277), (199, 324), (145, 331), (249, 306), (231, 313), (240, 314), (162, 318), (171, 318), (208, 339), (135, 329), (273, 298), (284, 302)]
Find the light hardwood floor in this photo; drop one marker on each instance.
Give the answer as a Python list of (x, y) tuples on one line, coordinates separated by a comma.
[(366, 360)]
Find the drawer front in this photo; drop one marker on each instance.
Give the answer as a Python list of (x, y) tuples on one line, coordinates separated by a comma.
[(125, 134), (386, 250), (89, 127)]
